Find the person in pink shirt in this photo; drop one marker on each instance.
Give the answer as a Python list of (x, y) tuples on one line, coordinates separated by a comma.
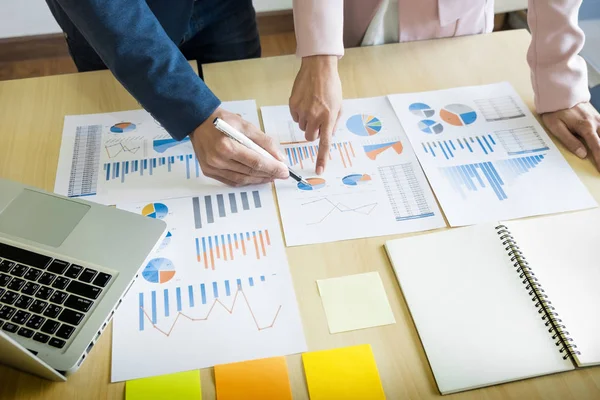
[(558, 73)]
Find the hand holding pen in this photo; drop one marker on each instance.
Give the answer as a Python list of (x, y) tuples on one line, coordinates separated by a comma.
[(232, 163)]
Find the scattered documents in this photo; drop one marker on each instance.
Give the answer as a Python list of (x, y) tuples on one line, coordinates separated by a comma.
[(373, 184), (348, 373), (180, 386), (265, 379), (355, 302)]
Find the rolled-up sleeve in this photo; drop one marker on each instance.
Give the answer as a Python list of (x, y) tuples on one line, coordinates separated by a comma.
[(319, 27)]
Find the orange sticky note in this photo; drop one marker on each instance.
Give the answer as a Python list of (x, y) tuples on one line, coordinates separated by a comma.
[(264, 379), (347, 373)]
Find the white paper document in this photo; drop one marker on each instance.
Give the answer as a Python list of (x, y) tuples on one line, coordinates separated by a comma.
[(127, 156), (218, 289), (373, 184), (486, 156)]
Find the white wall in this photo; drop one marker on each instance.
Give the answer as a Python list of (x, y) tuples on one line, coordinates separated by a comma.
[(25, 18), (32, 17)]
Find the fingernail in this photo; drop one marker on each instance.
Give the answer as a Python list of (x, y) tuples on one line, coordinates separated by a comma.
[(580, 152), (319, 170)]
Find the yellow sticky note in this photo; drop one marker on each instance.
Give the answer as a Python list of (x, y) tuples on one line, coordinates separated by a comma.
[(265, 379), (180, 386), (349, 373), (355, 302)]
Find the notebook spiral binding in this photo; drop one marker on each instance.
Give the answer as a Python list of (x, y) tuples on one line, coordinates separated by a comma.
[(536, 291)]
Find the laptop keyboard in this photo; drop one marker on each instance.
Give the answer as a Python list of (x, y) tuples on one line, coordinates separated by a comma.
[(45, 299)]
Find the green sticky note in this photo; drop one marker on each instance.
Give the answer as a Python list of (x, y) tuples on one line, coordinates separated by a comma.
[(180, 386)]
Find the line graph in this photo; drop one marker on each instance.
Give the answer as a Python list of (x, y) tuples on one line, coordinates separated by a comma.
[(168, 332), (114, 150), (364, 209)]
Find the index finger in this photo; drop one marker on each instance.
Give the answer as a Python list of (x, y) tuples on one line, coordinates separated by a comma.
[(257, 163), (324, 146)]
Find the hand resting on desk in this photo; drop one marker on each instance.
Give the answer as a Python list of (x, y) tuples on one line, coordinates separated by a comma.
[(577, 127)]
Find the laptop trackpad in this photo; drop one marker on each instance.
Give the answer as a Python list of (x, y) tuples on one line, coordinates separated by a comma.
[(42, 218)]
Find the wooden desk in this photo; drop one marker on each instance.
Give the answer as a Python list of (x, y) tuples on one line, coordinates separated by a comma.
[(31, 115)]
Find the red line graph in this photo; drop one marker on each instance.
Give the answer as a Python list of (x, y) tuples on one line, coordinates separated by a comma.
[(217, 301)]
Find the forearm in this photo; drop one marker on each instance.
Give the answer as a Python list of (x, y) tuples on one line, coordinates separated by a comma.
[(558, 73), (133, 44)]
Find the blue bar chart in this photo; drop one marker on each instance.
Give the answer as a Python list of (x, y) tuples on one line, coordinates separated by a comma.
[(485, 176), (179, 299), (147, 167), (449, 148), (208, 209), (307, 154)]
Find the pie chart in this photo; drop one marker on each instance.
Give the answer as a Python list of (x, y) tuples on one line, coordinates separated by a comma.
[(159, 270), (363, 125), (314, 184), (165, 241), (421, 110), (430, 126), (458, 114), (122, 127), (155, 210), (356, 179)]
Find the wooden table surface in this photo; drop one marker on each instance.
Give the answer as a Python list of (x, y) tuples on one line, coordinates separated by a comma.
[(31, 117)]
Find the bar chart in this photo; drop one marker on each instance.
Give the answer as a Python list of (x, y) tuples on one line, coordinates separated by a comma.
[(215, 249), (485, 176), (405, 194), (158, 304), (208, 209), (307, 154), (447, 149), (148, 166)]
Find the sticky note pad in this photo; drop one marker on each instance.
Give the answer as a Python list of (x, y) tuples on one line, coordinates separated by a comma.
[(349, 373), (265, 379), (180, 386), (355, 302)]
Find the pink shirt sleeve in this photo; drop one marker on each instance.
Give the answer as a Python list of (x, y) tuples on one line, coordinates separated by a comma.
[(558, 73), (319, 26)]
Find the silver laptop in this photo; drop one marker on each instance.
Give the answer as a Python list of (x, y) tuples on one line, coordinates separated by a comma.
[(65, 266)]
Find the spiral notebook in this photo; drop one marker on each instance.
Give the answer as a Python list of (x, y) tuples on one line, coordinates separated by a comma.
[(502, 302)]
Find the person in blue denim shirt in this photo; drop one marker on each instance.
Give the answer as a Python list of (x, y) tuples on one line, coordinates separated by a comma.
[(146, 44)]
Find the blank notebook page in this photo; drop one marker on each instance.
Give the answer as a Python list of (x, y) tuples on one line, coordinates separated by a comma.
[(562, 252), (475, 319)]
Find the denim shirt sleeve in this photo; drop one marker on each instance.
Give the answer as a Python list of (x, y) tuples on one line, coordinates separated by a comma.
[(132, 43)]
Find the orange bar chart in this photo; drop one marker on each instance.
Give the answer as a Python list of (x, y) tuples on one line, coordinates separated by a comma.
[(210, 250)]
